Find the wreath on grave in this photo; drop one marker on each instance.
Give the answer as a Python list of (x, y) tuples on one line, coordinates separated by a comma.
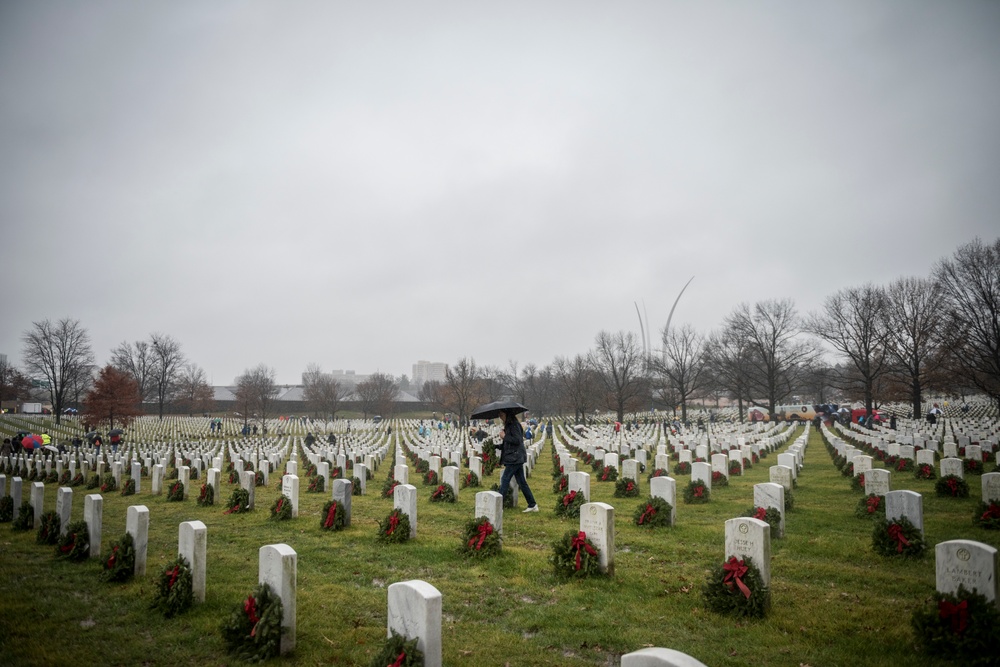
[(48, 528), (108, 484), (880, 454), (258, 478), (32, 474), (925, 471), (206, 495), (683, 468), (444, 493), (388, 487), (398, 651), (987, 515), (422, 466), (626, 488), (120, 564), (174, 589), (253, 630), (281, 510), (77, 480), (747, 464), (93, 482), (569, 504), (898, 537), (858, 482), (311, 470), (143, 471), (768, 514), (333, 516), (480, 539), (561, 483), (608, 474), (696, 492), (904, 465), (128, 488), (964, 627), (557, 470), (25, 517), (335, 472), (239, 502), (234, 477), (317, 484), (176, 492), (754, 458), (659, 472), (173, 473), (575, 556), (891, 461), (972, 466), (430, 478), (952, 485), (839, 462), (194, 473), (654, 513), (719, 479), (736, 589), (65, 478), (6, 509), (395, 528), (700, 459), (52, 477), (75, 544), (870, 507), (848, 470), (355, 486), (508, 499), (597, 465)]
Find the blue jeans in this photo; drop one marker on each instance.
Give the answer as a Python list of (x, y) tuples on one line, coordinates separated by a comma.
[(517, 472)]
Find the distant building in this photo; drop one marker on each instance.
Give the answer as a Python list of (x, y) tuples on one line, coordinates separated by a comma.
[(428, 371)]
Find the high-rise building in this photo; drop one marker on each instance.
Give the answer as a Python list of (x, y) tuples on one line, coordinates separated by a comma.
[(428, 371)]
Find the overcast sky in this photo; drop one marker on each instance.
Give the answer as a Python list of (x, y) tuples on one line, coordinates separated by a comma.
[(364, 185)]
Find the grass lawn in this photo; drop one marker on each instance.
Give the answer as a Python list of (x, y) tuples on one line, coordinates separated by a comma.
[(834, 601)]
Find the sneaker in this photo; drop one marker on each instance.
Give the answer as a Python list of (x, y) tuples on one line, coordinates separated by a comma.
[(533, 508)]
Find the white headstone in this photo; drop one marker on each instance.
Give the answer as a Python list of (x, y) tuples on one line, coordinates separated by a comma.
[(93, 510), (277, 567), (137, 525), (192, 543), (770, 495), (659, 657), (490, 505), (665, 488), (290, 488), (878, 481), (967, 563), (415, 612), (405, 499), (907, 504), (597, 520), (343, 491), (750, 537)]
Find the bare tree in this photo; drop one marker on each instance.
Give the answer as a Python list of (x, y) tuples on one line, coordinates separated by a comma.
[(970, 285), (136, 359), (683, 364), (377, 394), (322, 393), (256, 392), (168, 360), (463, 387), (14, 385), (59, 353), (853, 322), (619, 362), (578, 385), (915, 318), (767, 333), (193, 393)]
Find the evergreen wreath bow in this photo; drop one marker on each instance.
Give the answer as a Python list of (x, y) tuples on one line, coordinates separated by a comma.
[(485, 530), (250, 609), (393, 522), (580, 543), (896, 533), (648, 514), (735, 571), (331, 516), (569, 498), (958, 613)]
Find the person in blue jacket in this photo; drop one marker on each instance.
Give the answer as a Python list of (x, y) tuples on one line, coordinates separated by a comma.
[(513, 457)]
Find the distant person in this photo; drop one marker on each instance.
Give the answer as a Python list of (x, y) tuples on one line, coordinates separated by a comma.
[(892, 422), (8, 447), (513, 457)]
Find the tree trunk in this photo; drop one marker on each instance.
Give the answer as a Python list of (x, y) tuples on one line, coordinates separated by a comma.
[(915, 396)]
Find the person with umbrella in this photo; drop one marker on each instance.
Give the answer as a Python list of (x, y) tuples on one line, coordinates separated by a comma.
[(513, 457)]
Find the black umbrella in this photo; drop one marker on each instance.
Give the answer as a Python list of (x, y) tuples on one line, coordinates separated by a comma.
[(116, 431), (493, 410), (92, 435)]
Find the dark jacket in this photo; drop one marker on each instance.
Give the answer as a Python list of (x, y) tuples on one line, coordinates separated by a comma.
[(512, 448)]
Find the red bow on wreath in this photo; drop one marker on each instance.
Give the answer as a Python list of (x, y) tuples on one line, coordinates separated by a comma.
[(69, 547), (331, 516), (281, 502), (761, 514), (958, 613), (992, 512), (174, 573), (580, 542), (438, 491), (630, 487), (399, 660), (873, 503), (393, 522), (485, 530), (250, 609), (861, 480), (952, 486), (699, 491), (896, 533), (649, 513), (114, 554), (568, 498), (735, 571)]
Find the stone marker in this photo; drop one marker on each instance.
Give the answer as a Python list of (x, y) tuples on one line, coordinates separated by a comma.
[(361, 472), (878, 481), (952, 466), (781, 474), (720, 464), (905, 503), (659, 657), (665, 488), (248, 481), (137, 525), (192, 543), (64, 505), (343, 491), (597, 520), (15, 492), (401, 473), (38, 501), (702, 471), (277, 567), (579, 482), (157, 479), (137, 475), (450, 475), (213, 481), (770, 495), (290, 488), (967, 563), (415, 612), (405, 499), (93, 510), (991, 487), (184, 477), (490, 505), (750, 537)]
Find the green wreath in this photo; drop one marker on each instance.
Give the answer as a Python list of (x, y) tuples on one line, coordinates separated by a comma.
[(596, 465), (317, 484), (355, 486), (575, 556), (25, 517), (48, 528), (659, 472), (848, 470), (789, 499), (654, 513), (925, 471), (32, 474), (682, 468), (65, 478), (735, 469), (569, 504), (281, 510), (898, 537), (172, 473), (398, 651), (471, 479), (119, 565), (557, 469), (389, 487), (75, 544), (608, 474), (480, 539), (206, 495), (626, 488), (311, 470), (175, 493), (174, 589), (234, 477), (719, 479), (508, 499), (904, 465), (871, 506), (444, 493), (239, 501), (108, 483), (93, 482), (953, 486), (258, 478), (987, 515), (53, 477), (128, 488), (333, 516), (963, 627), (6, 509), (858, 482), (737, 589), (422, 466), (973, 466), (253, 631), (747, 464), (77, 480), (767, 514), (560, 484), (430, 478), (395, 528), (696, 492)]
